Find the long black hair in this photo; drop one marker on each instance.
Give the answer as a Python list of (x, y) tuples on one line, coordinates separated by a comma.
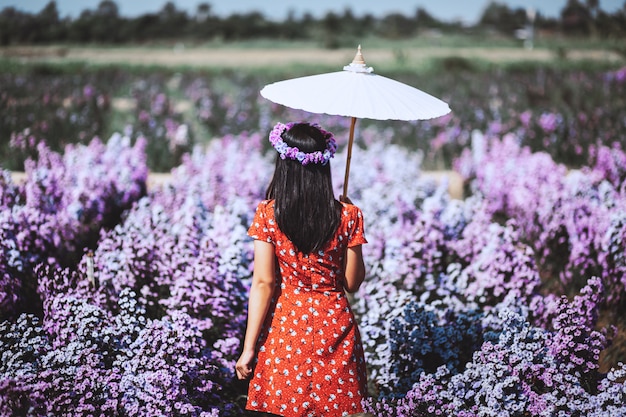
[(305, 207)]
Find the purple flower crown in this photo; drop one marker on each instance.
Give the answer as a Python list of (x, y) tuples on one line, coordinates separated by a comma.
[(286, 151)]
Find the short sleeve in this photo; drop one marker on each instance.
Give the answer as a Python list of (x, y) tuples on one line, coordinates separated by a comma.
[(356, 234), (262, 227)]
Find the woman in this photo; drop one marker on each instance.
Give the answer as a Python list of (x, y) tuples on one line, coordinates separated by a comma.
[(302, 348)]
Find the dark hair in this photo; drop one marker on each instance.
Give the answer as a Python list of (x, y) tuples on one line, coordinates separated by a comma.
[(304, 203)]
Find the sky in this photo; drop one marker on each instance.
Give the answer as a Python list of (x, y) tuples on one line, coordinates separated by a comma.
[(467, 11)]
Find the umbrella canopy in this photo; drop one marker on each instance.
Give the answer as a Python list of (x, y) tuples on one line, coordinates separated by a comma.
[(355, 92)]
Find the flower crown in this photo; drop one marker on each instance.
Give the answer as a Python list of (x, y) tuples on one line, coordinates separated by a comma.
[(292, 152)]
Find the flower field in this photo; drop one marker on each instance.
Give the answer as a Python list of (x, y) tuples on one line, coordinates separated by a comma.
[(561, 111), (120, 300)]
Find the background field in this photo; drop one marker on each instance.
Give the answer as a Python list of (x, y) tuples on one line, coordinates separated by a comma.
[(421, 58), (416, 55)]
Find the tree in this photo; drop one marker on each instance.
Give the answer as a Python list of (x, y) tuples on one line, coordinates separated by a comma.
[(397, 26), (205, 25), (293, 28), (350, 25), (203, 12), (9, 26), (108, 8), (144, 27), (594, 8), (331, 27), (81, 29), (247, 26), (500, 17), (576, 18), (425, 19), (173, 22), (106, 23), (46, 25)]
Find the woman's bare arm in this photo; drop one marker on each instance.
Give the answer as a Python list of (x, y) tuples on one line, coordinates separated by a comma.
[(263, 282), (355, 269)]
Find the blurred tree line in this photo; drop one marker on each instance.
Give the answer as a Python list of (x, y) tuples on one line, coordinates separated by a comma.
[(105, 24)]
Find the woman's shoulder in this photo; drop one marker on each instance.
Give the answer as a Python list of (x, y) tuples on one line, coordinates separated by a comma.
[(265, 205), (350, 210), (265, 209)]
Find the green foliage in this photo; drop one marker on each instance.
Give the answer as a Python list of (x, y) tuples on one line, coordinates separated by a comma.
[(500, 17), (455, 63), (104, 25)]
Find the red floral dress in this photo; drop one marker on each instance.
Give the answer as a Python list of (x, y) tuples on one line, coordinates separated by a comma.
[(310, 359)]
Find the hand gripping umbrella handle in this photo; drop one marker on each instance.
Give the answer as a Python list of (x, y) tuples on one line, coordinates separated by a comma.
[(349, 157)]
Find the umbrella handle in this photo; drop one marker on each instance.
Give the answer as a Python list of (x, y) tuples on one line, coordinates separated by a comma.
[(349, 157)]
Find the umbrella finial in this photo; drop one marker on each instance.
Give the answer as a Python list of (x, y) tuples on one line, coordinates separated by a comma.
[(358, 58), (358, 63)]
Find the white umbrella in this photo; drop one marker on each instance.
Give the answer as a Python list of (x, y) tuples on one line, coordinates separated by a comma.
[(355, 92)]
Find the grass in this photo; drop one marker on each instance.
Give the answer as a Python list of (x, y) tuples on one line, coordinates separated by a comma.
[(418, 54)]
